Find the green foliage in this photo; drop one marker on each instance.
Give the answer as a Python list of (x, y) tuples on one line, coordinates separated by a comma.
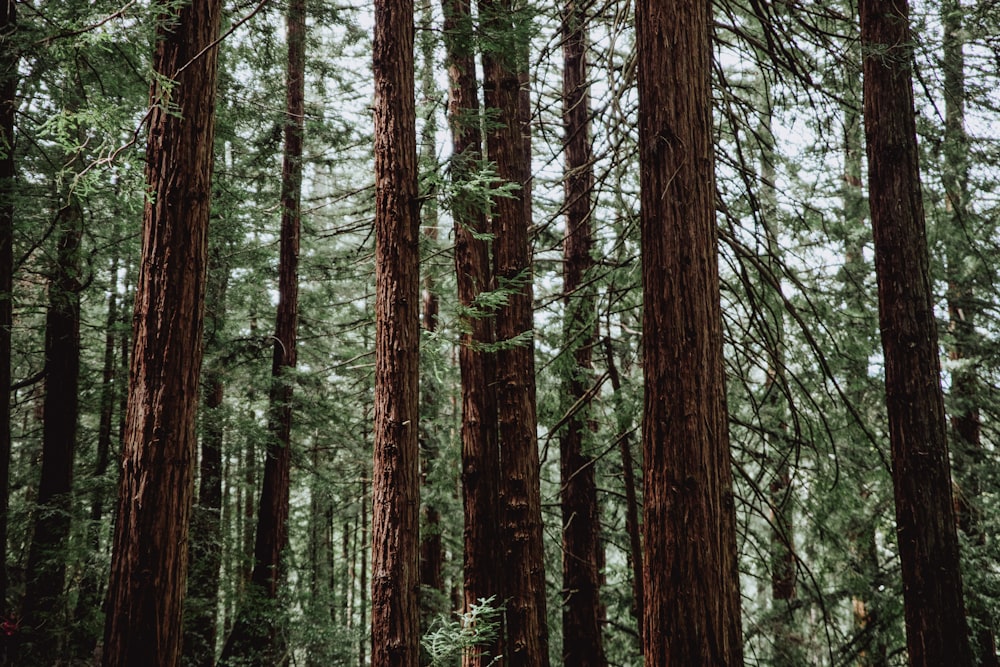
[(448, 640)]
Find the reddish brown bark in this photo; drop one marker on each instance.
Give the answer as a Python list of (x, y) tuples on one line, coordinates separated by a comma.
[(583, 554), (480, 455), (149, 563), (395, 480), (936, 628), (692, 610), (521, 521)]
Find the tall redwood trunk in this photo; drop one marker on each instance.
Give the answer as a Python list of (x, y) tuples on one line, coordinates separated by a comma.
[(8, 105), (480, 456), (583, 554), (149, 563), (504, 63), (395, 474), (692, 610), (262, 638), (44, 608), (936, 629)]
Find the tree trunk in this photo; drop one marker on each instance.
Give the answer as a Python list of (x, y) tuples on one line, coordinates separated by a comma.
[(582, 552), (202, 611), (692, 610), (480, 455), (44, 608), (259, 635), (936, 627), (395, 479), (89, 600), (521, 520), (149, 562), (8, 106), (963, 311)]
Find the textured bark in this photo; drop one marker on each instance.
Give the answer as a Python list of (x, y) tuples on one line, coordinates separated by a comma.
[(521, 520), (480, 456), (44, 608), (8, 105), (936, 628), (582, 552), (692, 610), (202, 610), (259, 636), (395, 480), (149, 562)]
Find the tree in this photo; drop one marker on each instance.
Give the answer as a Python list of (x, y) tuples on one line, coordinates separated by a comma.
[(8, 105), (583, 554), (480, 455), (504, 67), (692, 610), (44, 606), (395, 481), (936, 629), (260, 633), (149, 562)]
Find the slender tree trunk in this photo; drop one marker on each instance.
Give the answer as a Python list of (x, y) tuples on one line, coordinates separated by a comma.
[(395, 480), (44, 608), (504, 61), (936, 628), (362, 595), (149, 562), (8, 106), (963, 312), (583, 555), (480, 455), (261, 638), (692, 610), (202, 611), (432, 592), (89, 600)]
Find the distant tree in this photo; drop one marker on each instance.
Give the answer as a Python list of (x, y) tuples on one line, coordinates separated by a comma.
[(44, 611), (692, 610), (395, 480), (8, 105), (936, 628), (149, 561), (582, 552), (259, 635)]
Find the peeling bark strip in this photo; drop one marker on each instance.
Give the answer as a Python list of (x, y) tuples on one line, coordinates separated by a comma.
[(395, 479), (149, 563), (936, 629), (692, 610)]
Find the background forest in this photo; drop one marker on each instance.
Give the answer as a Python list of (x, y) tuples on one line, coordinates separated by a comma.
[(818, 559)]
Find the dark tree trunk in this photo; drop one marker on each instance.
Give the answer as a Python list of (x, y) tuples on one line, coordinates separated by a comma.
[(8, 105), (936, 628), (480, 456), (89, 601), (259, 635), (521, 519), (202, 610), (692, 610), (149, 562), (44, 608), (395, 480), (963, 311), (582, 553), (632, 526)]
